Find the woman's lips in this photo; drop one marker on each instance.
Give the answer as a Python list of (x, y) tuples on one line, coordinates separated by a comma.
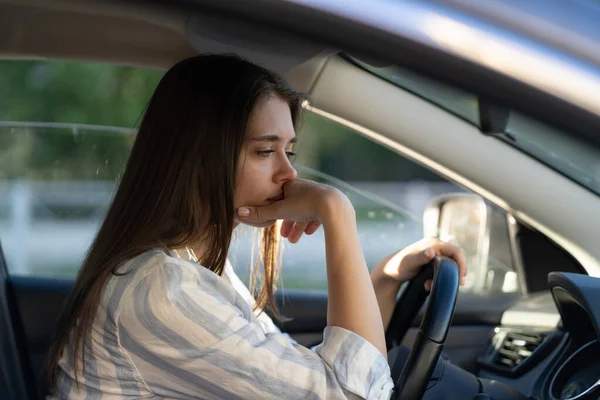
[(276, 198)]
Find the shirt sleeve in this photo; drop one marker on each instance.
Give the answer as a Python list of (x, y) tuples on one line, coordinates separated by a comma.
[(265, 321), (187, 340)]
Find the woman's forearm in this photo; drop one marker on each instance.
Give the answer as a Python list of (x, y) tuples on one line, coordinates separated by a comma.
[(386, 291), (352, 302)]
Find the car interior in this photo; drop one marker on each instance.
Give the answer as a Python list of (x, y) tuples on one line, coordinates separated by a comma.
[(540, 342)]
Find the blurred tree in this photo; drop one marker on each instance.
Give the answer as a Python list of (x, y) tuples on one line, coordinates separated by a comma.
[(74, 93), (339, 151), (115, 96)]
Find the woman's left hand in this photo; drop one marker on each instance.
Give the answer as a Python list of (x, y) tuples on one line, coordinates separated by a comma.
[(406, 264)]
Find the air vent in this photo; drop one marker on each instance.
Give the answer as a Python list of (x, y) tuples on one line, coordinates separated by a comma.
[(516, 347)]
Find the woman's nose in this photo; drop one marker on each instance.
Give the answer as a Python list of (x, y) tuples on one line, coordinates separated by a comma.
[(286, 171)]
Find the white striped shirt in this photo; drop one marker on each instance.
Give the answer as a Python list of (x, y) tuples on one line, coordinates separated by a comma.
[(172, 329)]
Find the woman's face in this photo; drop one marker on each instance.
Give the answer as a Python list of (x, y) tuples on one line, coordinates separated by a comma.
[(264, 163)]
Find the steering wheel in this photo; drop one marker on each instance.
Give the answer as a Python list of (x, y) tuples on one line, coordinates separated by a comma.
[(428, 345)]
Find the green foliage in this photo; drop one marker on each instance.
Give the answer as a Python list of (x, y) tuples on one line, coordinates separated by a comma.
[(72, 93), (81, 93), (115, 96), (339, 151)]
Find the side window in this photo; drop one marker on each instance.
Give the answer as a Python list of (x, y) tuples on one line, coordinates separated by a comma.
[(65, 134), (390, 194)]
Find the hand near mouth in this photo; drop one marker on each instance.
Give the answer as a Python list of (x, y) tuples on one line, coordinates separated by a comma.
[(303, 206), (293, 230)]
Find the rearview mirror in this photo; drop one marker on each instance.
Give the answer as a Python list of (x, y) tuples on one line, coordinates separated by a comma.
[(482, 231)]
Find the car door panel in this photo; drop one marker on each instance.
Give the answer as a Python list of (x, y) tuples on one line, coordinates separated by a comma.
[(39, 301), (473, 324), (303, 315)]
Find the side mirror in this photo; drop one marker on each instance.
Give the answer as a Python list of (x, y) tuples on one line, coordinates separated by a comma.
[(482, 231)]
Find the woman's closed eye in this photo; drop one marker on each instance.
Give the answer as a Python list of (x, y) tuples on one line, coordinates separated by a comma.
[(267, 153)]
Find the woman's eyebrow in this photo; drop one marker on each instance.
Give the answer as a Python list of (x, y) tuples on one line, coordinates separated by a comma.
[(271, 138)]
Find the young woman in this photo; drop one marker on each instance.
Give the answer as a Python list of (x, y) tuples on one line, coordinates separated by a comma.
[(157, 311)]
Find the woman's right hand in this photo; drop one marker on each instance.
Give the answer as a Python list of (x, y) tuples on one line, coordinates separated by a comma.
[(307, 203), (352, 304)]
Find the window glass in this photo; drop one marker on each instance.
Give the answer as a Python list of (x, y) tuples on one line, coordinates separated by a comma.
[(459, 102), (65, 134), (56, 185), (65, 137), (388, 191), (390, 194), (566, 153)]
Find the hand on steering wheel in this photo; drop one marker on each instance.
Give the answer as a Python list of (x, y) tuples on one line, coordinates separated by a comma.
[(405, 264), (428, 345)]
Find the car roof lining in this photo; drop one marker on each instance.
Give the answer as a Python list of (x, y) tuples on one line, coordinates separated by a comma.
[(92, 32), (146, 35)]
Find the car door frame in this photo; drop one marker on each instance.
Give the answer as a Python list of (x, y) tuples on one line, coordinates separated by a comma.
[(14, 364)]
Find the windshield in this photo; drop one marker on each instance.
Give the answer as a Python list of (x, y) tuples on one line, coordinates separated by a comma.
[(565, 153)]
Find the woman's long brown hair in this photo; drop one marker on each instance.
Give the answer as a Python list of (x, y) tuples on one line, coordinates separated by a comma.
[(178, 185)]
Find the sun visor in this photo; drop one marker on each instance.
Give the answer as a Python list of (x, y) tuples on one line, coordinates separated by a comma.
[(272, 48)]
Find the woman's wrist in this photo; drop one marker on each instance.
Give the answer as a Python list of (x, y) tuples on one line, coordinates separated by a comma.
[(386, 290), (383, 282), (335, 208)]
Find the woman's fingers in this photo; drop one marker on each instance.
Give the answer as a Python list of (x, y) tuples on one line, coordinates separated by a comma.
[(293, 231), (297, 231), (418, 254), (286, 228), (303, 201), (258, 215), (312, 228), (415, 259), (454, 252)]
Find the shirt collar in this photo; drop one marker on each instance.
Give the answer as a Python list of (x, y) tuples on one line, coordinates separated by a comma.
[(184, 253)]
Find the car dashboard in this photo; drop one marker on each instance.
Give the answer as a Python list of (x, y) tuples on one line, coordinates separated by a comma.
[(547, 346)]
